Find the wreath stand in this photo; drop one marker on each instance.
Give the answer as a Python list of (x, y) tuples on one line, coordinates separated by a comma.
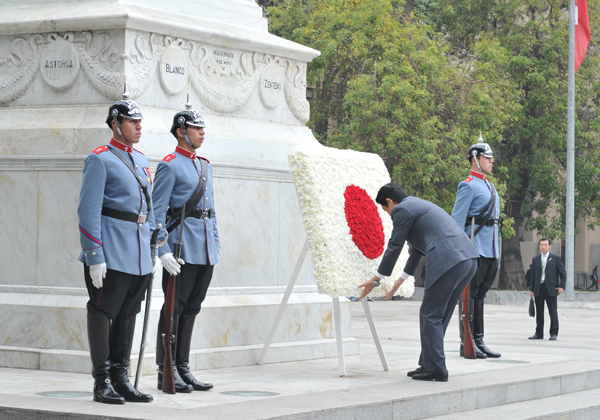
[(336, 316)]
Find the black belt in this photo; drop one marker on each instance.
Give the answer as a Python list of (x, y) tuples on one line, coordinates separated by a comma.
[(202, 213), (123, 215), (490, 222), (197, 213)]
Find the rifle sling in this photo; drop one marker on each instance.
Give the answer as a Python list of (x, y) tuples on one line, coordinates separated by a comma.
[(478, 219), (173, 215), (137, 178)]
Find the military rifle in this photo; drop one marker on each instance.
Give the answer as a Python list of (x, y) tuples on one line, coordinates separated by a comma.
[(468, 344), (171, 316)]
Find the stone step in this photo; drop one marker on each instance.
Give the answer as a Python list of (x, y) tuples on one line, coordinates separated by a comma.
[(79, 361), (577, 405), (462, 395), (401, 398)]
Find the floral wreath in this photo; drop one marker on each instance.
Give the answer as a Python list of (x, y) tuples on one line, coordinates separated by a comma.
[(346, 229)]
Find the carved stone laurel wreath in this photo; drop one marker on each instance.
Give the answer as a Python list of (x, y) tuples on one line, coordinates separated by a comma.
[(223, 89)]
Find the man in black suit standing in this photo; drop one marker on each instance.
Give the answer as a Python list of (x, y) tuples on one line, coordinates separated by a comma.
[(548, 278), (451, 264)]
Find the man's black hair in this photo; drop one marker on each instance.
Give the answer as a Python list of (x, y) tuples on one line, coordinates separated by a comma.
[(545, 239), (392, 191), (109, 120), (174, 132)]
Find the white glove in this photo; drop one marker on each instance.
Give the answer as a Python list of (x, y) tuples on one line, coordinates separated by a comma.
[(170, 264), (157, 265), (98, 273)]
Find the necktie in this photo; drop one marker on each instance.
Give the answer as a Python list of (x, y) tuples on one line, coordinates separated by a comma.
[(544, 268)]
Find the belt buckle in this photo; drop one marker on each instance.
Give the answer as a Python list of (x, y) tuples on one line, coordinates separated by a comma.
[(142, 218)]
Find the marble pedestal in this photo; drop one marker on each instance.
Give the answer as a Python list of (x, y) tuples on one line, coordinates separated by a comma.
[(62, 64), (230, 330)]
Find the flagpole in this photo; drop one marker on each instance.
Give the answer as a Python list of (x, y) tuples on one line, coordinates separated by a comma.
[(570, 216)]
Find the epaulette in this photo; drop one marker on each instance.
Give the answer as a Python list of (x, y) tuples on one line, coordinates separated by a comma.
[(469, 178), (203, 158), (169, 158), (100, 150)]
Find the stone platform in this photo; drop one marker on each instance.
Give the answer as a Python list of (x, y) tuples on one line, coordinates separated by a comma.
[(533, 380)]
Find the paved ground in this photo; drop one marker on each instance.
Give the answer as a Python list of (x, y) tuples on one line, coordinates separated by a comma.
[(297, 386)]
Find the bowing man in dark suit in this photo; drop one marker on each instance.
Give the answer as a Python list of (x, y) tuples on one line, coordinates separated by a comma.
[(451, 264), (548, 277)]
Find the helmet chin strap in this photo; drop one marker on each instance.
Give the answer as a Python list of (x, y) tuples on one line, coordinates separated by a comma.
[(115, 114), (181, 121), (474, 154)]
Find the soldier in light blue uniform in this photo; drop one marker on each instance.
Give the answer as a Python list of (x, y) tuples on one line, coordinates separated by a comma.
[(177, 177), (115, 224), (474, 200)]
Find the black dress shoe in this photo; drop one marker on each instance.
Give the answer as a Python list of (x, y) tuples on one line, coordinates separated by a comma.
[(439, 376), (188, 378), (105, 393), (553, 337), (536, 337), (127, 391), (418, 370)]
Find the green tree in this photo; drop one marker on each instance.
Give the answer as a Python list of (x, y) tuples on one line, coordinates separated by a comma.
[(415, 82), (531, 147), (383, 84)]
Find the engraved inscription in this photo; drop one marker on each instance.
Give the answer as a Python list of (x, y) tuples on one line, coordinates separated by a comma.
[(272, 85), (59, 64), (175, 69), (223, 62)]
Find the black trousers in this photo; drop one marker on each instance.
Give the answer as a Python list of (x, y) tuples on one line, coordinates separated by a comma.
[(484, 277), (436, 311), (552, 310), (111, 320), (193, 285), (480, 284), (121, 294)]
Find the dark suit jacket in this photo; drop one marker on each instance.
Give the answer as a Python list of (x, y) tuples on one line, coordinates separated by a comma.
[(556, 276), (431, 232), (528, 278)]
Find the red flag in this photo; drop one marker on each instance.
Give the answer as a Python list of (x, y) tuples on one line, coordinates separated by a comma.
[(582, 32)]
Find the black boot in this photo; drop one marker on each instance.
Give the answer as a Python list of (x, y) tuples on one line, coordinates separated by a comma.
[(184, 340), (478, 353), (478, 329), (98, 326), (461, 330), (180, 385), (122, 330)]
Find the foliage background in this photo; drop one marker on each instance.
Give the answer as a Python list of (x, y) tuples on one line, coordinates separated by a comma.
[(415, 80)]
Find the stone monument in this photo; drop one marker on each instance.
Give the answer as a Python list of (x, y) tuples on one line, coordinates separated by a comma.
[(62, 63)]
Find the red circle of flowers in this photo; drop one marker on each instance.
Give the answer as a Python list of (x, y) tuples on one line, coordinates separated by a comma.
[(364, 221)]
